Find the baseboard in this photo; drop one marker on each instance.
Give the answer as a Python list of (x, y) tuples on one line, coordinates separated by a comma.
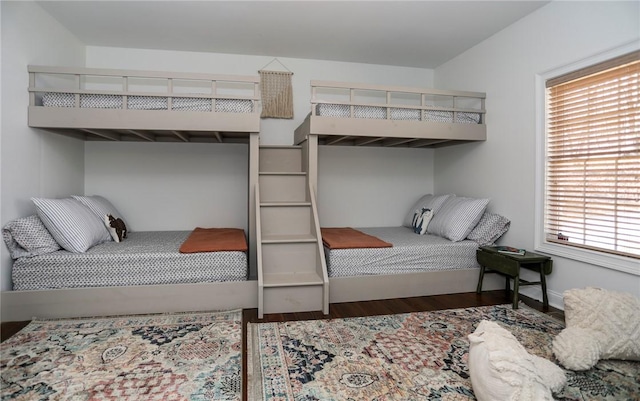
[(555, 299)]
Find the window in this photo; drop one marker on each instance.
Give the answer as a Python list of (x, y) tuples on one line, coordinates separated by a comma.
[(592, 158)]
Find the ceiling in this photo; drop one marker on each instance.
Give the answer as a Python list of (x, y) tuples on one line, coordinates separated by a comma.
[(423, 34)]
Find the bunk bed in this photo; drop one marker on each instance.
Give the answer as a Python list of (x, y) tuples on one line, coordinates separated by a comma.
[(144, 273), (440, 261), (126, 105), (355, 114), (352, 114)]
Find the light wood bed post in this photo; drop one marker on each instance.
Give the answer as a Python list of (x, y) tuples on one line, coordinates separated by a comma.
[(32, 84), (310, 165), (310, 160), (254, 152), (254, 169)]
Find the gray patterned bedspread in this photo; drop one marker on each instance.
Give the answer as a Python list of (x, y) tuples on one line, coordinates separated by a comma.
[(144, 258), (410, 253)]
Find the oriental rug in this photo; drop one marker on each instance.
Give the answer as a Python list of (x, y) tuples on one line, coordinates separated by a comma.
[(409, 357), (191, 356)]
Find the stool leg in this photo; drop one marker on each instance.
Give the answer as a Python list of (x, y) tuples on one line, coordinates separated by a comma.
[(479, 288), (507, 285), (543, 283), (516, 289)]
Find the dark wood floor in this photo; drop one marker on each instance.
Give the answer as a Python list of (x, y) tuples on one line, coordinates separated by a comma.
[(367, 308)]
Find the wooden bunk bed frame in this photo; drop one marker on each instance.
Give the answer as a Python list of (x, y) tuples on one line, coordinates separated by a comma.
[(130, 124), (128, 300), (413, 133), (168, 125), (419, 130)]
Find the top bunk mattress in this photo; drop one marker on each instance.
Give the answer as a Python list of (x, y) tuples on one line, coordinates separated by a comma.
[(396, 113), (98, 101), (410, 253), (144, 258)]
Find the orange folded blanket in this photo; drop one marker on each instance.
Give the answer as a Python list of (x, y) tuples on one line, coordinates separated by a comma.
[(214, 240), (347, 237)]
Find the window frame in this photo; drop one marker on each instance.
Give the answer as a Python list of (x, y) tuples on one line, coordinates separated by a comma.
[(603, 259)]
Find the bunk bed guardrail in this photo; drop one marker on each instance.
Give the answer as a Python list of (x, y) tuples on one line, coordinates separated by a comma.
[(108, 104), (379, 115)]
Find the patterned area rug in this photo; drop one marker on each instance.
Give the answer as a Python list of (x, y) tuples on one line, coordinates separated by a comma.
[(194, 356), (415, 356)]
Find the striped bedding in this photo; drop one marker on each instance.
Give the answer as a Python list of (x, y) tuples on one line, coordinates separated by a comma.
[(410, 253)]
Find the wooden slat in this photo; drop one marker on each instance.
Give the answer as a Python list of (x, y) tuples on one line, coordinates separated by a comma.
[(183, 137), (368, 141), (427, 142), (142, 74), (144, 135), (104, 134), (398, 141), (336, 140), (398, 89)]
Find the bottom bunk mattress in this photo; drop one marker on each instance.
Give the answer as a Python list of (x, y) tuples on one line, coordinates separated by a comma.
[(410, 253), (144, 258)]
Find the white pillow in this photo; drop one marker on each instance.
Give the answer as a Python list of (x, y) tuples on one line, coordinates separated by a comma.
[(72, 224), (601, 324), (421, 219), (577, 348), (502, 369), (433, 202), (457, 217)]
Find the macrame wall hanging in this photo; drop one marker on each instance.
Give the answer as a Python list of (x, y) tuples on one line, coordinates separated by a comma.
[(277, 92)]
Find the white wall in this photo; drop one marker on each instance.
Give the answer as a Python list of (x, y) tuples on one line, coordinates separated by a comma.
[(374, 187), (503, 168), (357, 187), (171, 186), (34, 162)]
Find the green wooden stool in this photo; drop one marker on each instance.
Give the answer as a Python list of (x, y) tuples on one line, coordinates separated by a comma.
[(492, 261)]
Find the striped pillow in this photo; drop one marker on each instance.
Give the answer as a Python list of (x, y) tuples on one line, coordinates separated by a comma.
[(98, 205), (457, 217), (74, 226), (433, 202)]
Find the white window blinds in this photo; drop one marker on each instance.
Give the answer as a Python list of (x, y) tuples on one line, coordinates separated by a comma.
[(592, 193)]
